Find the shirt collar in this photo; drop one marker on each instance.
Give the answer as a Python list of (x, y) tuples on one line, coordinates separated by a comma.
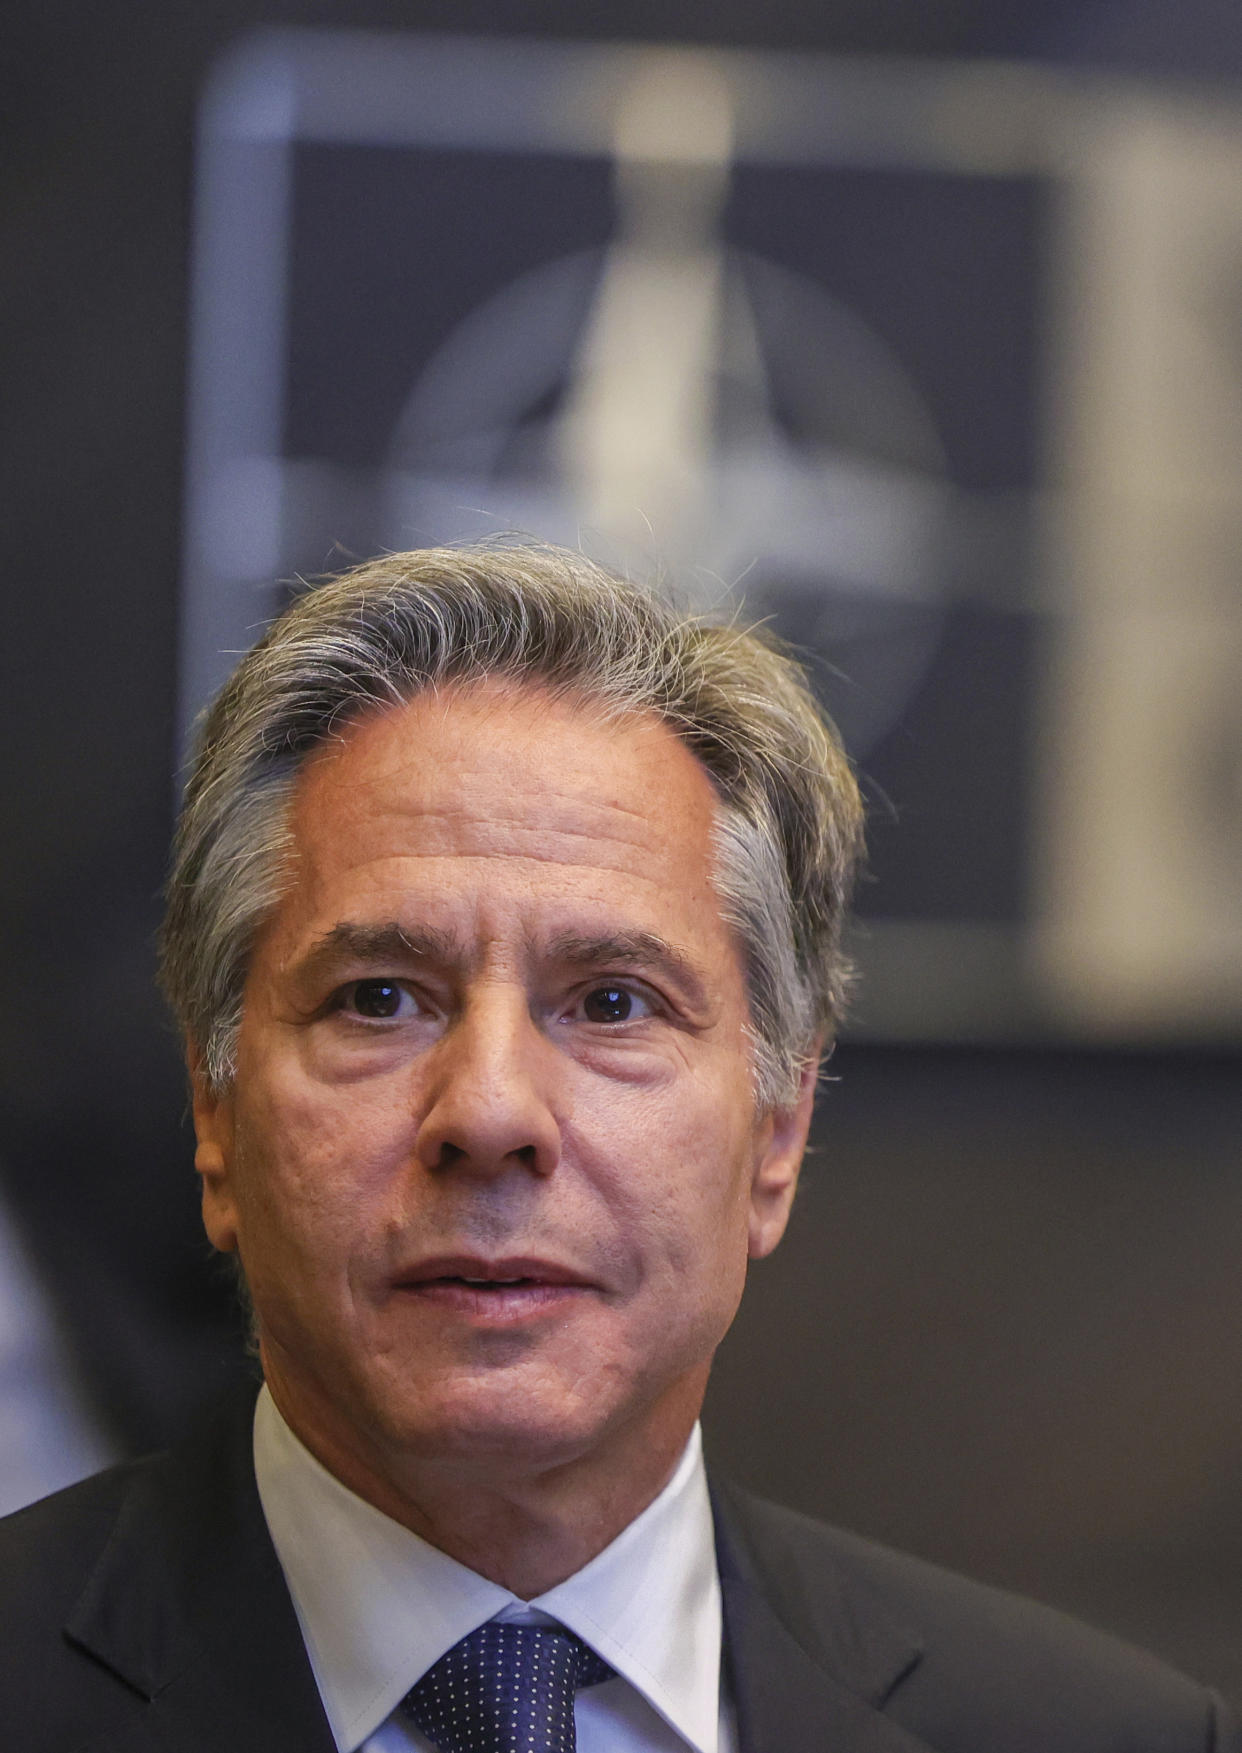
[(378, 1606)]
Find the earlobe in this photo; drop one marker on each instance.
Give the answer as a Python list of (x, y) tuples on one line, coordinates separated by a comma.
[(779, 1161), (213, 1157)]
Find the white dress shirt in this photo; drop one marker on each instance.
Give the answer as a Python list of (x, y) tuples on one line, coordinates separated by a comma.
[(378, 1606)]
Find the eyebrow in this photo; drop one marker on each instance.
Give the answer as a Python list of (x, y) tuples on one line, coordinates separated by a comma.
[(387, 942), (629, 949)]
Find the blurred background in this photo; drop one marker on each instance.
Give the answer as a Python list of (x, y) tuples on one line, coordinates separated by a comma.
[(914, 327)]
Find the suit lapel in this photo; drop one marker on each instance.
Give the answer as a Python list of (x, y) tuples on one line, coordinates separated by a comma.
[(188, 1606), (810, 1663)]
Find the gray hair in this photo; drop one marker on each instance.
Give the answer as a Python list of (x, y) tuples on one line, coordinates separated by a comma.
[(788, 829)]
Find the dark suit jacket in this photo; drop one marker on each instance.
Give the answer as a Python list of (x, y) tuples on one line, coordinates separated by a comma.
[(145, 1611)]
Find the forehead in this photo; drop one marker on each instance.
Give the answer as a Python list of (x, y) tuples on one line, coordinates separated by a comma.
[(505, 792)]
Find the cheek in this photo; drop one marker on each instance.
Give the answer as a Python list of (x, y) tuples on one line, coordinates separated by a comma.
[(682, 1191), (311, 1172)]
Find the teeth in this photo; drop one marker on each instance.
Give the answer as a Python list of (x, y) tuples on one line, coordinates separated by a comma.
[(491, 1281)]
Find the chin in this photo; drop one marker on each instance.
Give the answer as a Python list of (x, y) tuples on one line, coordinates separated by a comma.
[(515, 1436)]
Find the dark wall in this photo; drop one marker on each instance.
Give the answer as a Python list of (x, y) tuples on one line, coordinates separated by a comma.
[(1004, 1331)]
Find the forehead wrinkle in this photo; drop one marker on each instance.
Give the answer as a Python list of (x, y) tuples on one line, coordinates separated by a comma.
[(520, 823), (526, 843)]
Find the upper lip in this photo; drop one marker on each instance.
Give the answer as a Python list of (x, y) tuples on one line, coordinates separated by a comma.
[(503, 1270)]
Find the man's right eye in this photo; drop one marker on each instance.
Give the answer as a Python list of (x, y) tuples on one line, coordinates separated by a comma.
[(375, 998)]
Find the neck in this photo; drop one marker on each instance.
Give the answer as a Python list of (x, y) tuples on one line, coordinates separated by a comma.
[(526, 1527)]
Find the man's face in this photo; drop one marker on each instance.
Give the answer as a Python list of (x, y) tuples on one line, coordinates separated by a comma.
[(491, 1156)]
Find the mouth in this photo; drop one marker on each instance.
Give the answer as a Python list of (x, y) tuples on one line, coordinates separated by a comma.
[(503, 1291)]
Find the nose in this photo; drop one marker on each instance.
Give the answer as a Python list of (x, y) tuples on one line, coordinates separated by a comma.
[(487, 1107)]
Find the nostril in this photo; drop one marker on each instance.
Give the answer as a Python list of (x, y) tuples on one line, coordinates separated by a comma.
[(449, 1155), (454, 1156)]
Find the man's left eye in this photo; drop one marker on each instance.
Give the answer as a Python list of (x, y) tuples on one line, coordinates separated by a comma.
[(376, 998), (613, 1004)]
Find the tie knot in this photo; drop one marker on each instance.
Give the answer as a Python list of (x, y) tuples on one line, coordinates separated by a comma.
[(505, 1689)]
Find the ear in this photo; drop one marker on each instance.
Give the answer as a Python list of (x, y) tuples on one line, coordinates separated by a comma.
[(782, 1142), (213, 1155)]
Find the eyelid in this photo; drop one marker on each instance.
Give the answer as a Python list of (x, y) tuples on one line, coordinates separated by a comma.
[(653, 1002), (340, 999), (637, 988)]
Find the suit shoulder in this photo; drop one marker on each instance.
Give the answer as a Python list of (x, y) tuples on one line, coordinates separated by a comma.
[(48, 1549), (994, 1669)]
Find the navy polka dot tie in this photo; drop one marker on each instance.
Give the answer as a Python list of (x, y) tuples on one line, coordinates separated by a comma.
[(505, 1689)]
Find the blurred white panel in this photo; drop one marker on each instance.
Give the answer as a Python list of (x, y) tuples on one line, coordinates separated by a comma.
[(48, 1437), (1141, 862)]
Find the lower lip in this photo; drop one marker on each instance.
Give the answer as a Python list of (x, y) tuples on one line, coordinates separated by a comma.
[(495, 1308)]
